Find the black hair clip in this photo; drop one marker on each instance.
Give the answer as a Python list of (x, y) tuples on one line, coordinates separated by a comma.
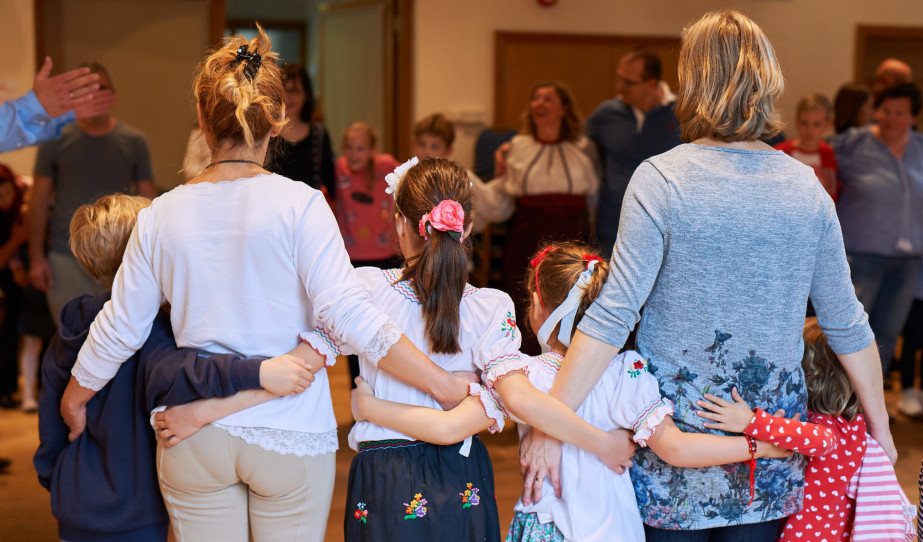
[(253, 61)]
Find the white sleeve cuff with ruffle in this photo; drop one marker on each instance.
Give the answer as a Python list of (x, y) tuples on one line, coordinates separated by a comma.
[(502, 366), (491, 403), (646, 422), (323, 344)]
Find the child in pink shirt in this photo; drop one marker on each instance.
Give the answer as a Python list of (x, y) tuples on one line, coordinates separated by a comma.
[(363, 210)]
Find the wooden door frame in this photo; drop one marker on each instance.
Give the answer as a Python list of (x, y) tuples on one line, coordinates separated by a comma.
[(866, 32), (502, 39)]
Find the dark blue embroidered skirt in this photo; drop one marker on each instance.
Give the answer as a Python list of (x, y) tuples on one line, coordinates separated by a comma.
[(408, 490)]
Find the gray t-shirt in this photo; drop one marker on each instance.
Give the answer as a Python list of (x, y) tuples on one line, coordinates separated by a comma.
[(84, 168), (723, 248)]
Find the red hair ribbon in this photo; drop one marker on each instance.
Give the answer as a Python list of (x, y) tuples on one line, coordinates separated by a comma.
[(587, 258), (535, 262)]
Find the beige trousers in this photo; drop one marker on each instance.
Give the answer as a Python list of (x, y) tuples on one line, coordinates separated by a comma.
[(218, 487)]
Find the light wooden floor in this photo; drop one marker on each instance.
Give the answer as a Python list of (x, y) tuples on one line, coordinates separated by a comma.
[(25, 513)]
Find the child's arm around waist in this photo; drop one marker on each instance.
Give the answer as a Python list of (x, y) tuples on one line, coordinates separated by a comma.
[(177, 376), (736, 417)]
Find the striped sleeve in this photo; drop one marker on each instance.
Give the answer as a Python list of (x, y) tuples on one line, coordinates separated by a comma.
[(883, 512)]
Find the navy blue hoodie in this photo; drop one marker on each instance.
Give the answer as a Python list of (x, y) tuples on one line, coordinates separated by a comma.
[(104, 484)]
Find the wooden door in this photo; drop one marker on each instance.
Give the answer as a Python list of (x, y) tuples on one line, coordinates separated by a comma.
[(356, 74), (585, 63)]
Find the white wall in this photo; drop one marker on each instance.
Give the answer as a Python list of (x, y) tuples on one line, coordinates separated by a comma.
[(17, 68), (454, 47), (151, 50)]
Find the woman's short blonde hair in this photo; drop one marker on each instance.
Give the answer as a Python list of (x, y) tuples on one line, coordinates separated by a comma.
[(729, 80), (99, 233)]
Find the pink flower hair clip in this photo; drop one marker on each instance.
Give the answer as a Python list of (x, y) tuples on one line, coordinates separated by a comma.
[(447, 216)]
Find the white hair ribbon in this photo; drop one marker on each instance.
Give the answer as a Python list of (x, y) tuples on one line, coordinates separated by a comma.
[(566, 311)]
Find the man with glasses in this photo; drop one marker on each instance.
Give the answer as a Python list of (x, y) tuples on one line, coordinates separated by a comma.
[(628, 129)]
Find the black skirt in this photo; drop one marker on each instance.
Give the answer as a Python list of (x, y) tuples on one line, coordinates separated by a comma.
[(409, 490)]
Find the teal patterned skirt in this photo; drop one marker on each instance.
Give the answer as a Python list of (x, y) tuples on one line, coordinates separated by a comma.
[(527, 528)]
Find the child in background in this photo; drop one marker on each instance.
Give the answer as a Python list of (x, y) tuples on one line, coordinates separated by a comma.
[(433, 137), (813, 119), (851, 491), (104, 483), (363, 209), (595, 503)]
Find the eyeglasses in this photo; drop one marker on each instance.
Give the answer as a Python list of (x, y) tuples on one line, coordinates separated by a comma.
[(628, 82)]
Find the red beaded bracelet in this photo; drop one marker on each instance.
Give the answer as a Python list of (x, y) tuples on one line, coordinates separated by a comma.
[(751, 444)]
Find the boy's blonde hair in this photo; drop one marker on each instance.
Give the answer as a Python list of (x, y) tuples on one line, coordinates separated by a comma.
[(829, 389), (436, 125), (815, 102), (99, 233), (729, 80)]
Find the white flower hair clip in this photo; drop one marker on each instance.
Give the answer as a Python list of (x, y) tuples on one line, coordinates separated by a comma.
[(395, 177)]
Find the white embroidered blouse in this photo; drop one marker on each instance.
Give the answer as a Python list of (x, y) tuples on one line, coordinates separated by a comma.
[(488, 337)]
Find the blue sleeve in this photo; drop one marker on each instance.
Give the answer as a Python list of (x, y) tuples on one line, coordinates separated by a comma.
[(593, 125), (24, 122), (636, 258), (52, 431), (839, 312), (176, 376)]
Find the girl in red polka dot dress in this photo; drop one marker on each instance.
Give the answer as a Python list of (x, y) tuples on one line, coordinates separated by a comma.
[(851, 491)]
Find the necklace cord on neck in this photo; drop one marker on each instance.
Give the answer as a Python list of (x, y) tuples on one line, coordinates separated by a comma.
[(234, 162)]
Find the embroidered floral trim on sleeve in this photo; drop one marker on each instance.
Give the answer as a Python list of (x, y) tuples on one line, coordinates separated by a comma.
[(386, 337), (645, 424), (492, 405), (503, 365), (323, 344)]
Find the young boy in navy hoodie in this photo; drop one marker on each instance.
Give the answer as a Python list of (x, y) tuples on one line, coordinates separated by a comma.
[(104, 484)]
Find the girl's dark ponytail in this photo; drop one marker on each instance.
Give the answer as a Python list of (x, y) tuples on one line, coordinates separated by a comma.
[(439, 271)]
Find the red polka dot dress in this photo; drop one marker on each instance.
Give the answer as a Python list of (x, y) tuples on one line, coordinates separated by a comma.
[(836, 448)]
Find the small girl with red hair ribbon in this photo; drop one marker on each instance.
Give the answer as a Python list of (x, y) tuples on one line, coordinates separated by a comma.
[(596, 503)]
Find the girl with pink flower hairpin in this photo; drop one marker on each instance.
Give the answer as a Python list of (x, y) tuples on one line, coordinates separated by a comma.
[(442, 489), (596, 502)]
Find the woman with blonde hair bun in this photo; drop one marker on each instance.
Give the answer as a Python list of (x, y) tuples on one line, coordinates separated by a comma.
[(247, 260), (723, 240)]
